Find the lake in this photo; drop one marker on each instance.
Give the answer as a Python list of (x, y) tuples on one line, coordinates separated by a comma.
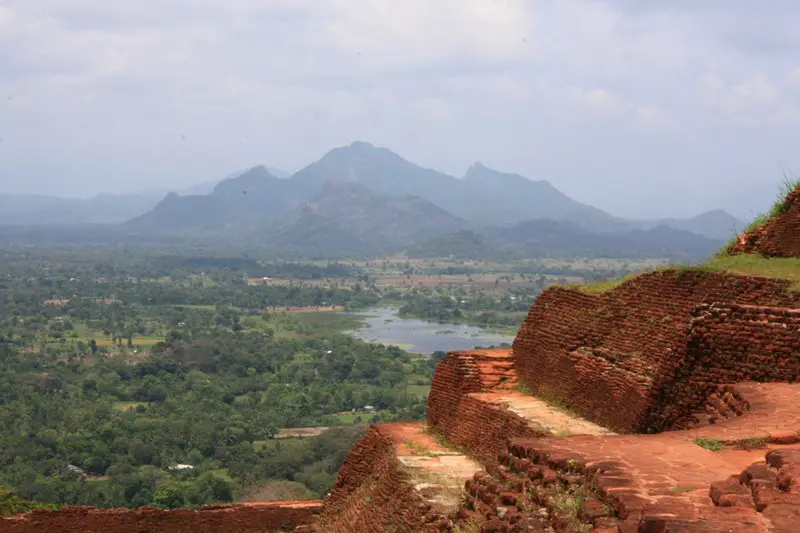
[(419, 336)]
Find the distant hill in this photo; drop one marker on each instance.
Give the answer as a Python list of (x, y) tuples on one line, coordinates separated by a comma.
[(315, 236), (259, 191), (278, 173), (549, 238), (38, 210), (374, 217), (379, 169), (250, 196), (342, 217), (483, 196), (368, 199), (33, 210), (717, 224), (366, 220), (186, 213), (465, 244), (497, 198)]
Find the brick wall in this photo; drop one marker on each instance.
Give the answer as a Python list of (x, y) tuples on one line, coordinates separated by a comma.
[(778, 237), (474, 426), (602, 354), (266, 517), (730, 343), (373, 492)]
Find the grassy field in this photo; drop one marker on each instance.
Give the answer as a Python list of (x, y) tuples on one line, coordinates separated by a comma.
[(756, 265), (744, 264)]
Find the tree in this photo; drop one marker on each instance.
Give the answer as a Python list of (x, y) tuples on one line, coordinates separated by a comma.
[(169, 497)]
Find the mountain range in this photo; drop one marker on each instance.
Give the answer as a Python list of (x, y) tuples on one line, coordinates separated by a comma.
[(365, 199)]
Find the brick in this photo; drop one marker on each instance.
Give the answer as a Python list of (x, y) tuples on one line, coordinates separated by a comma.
[(610, 357), (778, 237)]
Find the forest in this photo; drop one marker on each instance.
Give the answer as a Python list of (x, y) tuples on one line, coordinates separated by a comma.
[(111, 377)]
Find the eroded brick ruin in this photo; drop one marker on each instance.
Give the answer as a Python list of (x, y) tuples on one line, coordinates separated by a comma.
[(667, 404), (777, 237)]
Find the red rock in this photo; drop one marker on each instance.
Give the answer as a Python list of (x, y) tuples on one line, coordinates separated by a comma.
[(789, 477), (783, 437), (494, 526)]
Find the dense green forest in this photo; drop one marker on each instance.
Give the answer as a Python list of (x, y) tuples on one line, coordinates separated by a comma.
[(110, 376)]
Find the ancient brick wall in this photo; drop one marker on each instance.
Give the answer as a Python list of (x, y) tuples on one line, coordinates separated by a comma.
[(455, 376), (480, 429), (602, 354), (730, 343), (256, 518), (778, 237), (474, 426), (373, 493)]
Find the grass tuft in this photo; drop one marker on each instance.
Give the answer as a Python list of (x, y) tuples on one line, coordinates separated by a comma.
[(753, 443), (712, 445), (780, 206)]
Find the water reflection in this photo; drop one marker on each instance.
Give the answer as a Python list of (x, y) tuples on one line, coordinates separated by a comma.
[(418, 336)]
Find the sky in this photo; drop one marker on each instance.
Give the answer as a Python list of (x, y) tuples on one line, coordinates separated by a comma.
[(644, 109)]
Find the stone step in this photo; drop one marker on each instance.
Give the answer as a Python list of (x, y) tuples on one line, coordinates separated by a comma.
[(542, 415), (436, 470)]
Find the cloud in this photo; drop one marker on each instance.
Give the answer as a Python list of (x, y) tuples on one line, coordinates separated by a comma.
[(596, 100), (653, 99)]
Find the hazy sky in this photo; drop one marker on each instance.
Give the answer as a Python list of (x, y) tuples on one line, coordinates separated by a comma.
[(643, 108)]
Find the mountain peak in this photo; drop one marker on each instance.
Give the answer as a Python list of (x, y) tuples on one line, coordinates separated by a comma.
[(257, 176), (257, 172), (361, 145), (478, 170)]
